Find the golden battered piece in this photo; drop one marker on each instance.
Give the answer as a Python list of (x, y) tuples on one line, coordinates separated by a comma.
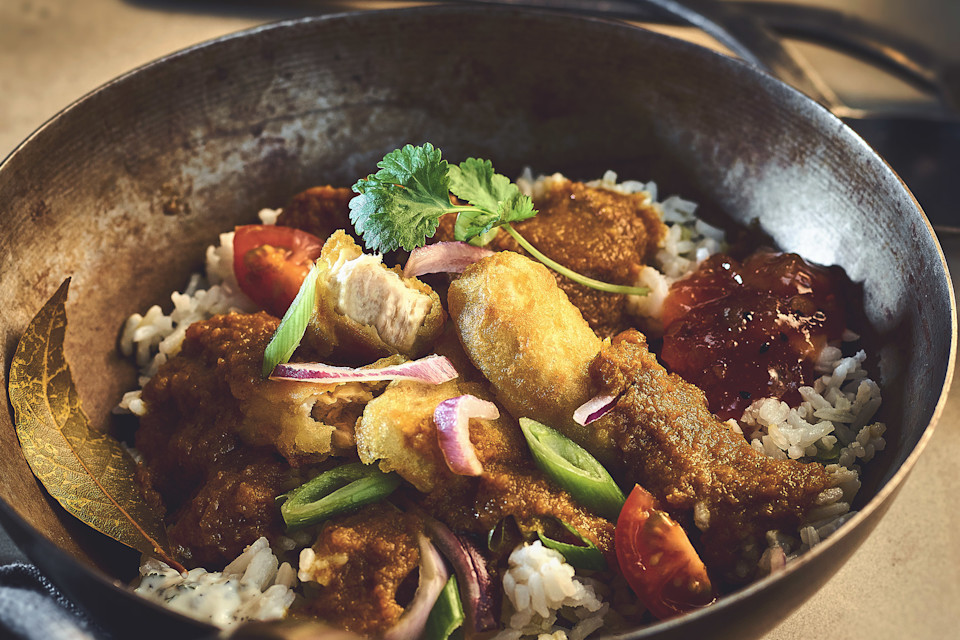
[(397, 429), (533, 346), (366, 311), (211, 396)]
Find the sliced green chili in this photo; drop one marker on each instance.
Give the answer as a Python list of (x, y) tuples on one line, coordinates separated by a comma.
[(288, 335), (335, 491), (447, 614), (585, 556), (570, 466), (505, 536)]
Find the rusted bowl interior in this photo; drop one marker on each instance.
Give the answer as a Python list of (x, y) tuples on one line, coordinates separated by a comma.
[(124, 189)]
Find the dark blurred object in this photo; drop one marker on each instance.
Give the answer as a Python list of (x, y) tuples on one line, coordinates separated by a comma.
[(921, 144), (31, 608)]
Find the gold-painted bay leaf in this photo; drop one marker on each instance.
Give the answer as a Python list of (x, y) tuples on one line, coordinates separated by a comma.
[(86, 471)]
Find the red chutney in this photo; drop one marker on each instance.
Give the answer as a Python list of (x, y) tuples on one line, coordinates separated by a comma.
[(746, 331)]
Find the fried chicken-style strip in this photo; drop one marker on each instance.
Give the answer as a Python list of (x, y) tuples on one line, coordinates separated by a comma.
[(397, 430), (598, 233), (366, 311), (521, 333), (533, 346), (698, 468)]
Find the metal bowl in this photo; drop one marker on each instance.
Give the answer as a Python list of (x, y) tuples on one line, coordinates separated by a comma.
[(124, 189)]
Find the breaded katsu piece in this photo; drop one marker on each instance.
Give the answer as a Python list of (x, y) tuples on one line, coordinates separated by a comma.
[(318, 210), (598, 233), (533, 346), (701, 471), (367, 311), (397, 429)]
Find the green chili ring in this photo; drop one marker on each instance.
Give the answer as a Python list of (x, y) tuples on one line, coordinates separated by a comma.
[(574, 469), (585, 556), (336, 491)]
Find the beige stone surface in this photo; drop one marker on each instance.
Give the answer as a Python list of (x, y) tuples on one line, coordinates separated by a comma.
[(904, 582)]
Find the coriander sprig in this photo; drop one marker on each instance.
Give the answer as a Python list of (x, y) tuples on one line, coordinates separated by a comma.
[(400, 206)]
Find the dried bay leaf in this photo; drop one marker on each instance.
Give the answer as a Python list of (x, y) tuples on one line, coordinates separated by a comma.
[(88, 472)]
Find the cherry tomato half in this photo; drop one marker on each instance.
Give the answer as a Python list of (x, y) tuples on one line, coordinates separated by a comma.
[(657, 559), (271, 262)]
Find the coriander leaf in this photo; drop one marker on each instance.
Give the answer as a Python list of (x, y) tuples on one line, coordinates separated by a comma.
[(400, 205), (516, 208), (496, 199), (475, 181), (473, 223), (422, 168)]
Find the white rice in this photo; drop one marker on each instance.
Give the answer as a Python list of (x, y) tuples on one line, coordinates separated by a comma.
[(540, 587), (833, 421), (155, 336), (252, 587)]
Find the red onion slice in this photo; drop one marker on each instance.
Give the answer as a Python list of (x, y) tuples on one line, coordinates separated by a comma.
[(594, 408), (433, 577), (452, 418), (478, 592), (432, 369), (443, 257)]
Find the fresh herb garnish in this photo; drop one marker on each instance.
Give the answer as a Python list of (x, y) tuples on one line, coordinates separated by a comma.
[(290, 332), (400, 206), (495, 200)]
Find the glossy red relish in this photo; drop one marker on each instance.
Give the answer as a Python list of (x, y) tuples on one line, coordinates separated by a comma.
[(744, 331)]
